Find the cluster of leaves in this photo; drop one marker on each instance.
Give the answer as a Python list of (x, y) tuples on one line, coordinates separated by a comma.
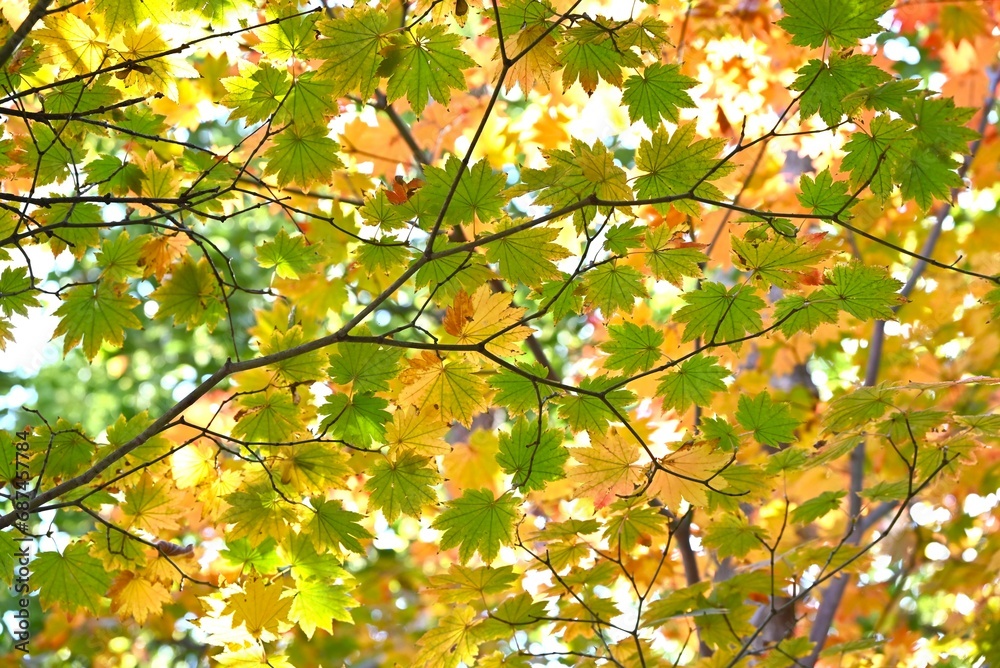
[(440, 358)]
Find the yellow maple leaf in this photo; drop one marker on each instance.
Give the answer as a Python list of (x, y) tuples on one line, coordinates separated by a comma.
[(136, 597), (71, 42), (486, 316), (448, 384), (451, 641), (151, 506), (607, 468), (687, 468), (420, 431), (192, 464), (261, 607)]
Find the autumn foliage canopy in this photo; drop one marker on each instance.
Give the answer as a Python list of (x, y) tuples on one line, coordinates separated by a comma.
[(505, 333)]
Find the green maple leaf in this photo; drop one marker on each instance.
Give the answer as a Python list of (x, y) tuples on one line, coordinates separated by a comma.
[(796, 313), (191, 295), (589, 55), (8, 547), (528, 256), (424, 63), (73, 579), (317, 604), (68, 448), (310, 102), (358, 419), (303, 155), (717, 314), (47, 155), (476, 197), (351, 50), (839, 23), (732, 536), (519, 610), (630, 520), (632, 348), (306, 563), (272, 416), (119, 258), (403, 486), (813, 509), (477, 522), (939, 125), (385, 258), (621, 239), (290, 256), (856, 408), (678, 164), (771, 423), (378, 211), (17, 294), (462, 584), (287, 38), (331, 526), (889, 96), (368, 366), (449, 275), (692, 383), (658, 92), (867, 153), (717, 429), (778, 261), (826, 85), (517, 393), (823, 195), (590, 413), (113, 177), (532, 455), (257, 513), (76, 227), (612, 287), (256, 93), (671, 260), (925, 175), (95, 314), (863, 291)]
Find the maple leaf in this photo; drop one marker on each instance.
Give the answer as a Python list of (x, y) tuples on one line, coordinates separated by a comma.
[(317, 604), (477, 522), (261, 607), (825, 85), (454, 640), (257, 92), (95, 314), (402, 484), (631, 520), (584, 411), (136, 597), (733, 536), (531, 454), (486, 317), (632, 348), (676, 165), (692, 383), (817, 507), (268, 417), (359, 418), (863, 291), (476, 198), (17, 294), (332, 526), (191, 295), (425, 63), (687, 470), (257, 512), (421, 431), (73, 579), (607, 468), (303, 155), (351, 52), (671, 260), (771, 424), (839, 23), (516, 390), (612, 287), (779, 261), (589, 55), (464, 584), (527, 256), (657, 93), (449, 385), (717, 314), (150, 507), (290, 256)]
